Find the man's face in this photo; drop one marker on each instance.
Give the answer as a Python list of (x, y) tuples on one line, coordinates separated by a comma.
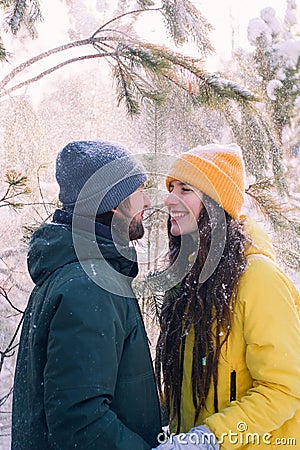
[(132, 210)]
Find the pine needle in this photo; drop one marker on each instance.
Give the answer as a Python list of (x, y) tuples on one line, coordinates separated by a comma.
[(280, 214), (184, 21)]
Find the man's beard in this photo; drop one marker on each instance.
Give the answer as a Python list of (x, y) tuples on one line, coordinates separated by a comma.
[(136, 230)]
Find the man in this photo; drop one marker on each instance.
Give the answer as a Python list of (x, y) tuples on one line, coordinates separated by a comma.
[(84, 376)]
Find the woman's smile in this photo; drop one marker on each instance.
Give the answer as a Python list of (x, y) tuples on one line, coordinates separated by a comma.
[(184, 206)]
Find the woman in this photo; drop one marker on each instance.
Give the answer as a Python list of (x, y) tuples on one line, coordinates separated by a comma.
[(228, 355)]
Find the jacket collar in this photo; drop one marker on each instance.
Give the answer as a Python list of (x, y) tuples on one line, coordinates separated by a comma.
[(65, 217), (53, 246)]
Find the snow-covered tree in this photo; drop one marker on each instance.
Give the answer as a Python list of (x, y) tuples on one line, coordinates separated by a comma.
[(273, 69), (276, 59), (18, 14)]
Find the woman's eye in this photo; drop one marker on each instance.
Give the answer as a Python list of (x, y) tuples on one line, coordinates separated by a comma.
[(186, 190)]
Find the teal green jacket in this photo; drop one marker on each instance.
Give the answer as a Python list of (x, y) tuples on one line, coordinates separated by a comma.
[(84, 376)]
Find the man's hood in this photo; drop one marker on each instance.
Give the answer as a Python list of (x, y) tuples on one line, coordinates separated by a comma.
[(52, 247), (261, 243)]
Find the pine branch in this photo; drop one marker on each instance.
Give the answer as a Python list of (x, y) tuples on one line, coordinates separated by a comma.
[(155, 62), (124, 86), (145, 3), (22, 13), (135, 92), (35, 13), (255, 144), (260, 147), (280, 215), (16, 180), (230, 89), (214, 91), (17, 186), (149, 300), (184, 21), (17, 16), (284, 220), (3, 52), (193, 65), (149, 62), (142, 56), (188, 72), (276, 154)]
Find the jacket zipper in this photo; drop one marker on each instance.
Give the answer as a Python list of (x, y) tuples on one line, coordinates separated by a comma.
[(233, 386)]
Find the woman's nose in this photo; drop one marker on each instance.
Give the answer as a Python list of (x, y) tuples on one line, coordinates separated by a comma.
[(171, 199)]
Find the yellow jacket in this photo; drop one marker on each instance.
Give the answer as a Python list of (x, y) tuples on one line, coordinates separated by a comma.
[(260, 365)]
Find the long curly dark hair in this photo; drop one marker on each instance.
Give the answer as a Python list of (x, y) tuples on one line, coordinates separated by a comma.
[(204, 304)]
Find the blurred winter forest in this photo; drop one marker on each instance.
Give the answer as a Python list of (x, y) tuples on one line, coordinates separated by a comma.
[(86, 69)]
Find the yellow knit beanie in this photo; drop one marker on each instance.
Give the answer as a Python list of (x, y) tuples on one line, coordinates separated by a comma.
[(217, 170)]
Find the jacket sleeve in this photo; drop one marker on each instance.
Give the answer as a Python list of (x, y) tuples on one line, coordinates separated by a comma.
[(85, 344), (272, 337)]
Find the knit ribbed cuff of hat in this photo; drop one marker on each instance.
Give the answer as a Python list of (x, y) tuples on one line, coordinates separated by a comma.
[(217, 171)]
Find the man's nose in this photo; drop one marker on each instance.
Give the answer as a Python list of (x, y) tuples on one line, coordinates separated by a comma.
[(147, 202)]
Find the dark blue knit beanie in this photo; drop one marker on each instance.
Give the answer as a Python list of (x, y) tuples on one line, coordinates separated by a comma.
[(96, 176)]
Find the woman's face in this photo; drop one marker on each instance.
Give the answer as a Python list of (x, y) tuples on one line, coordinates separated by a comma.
[(184, 206)]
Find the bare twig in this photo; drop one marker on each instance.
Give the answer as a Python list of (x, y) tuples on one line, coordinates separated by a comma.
[(52, 69), (43, 55), (4, 294), (9, 351), (137, 11), (5, 397)]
